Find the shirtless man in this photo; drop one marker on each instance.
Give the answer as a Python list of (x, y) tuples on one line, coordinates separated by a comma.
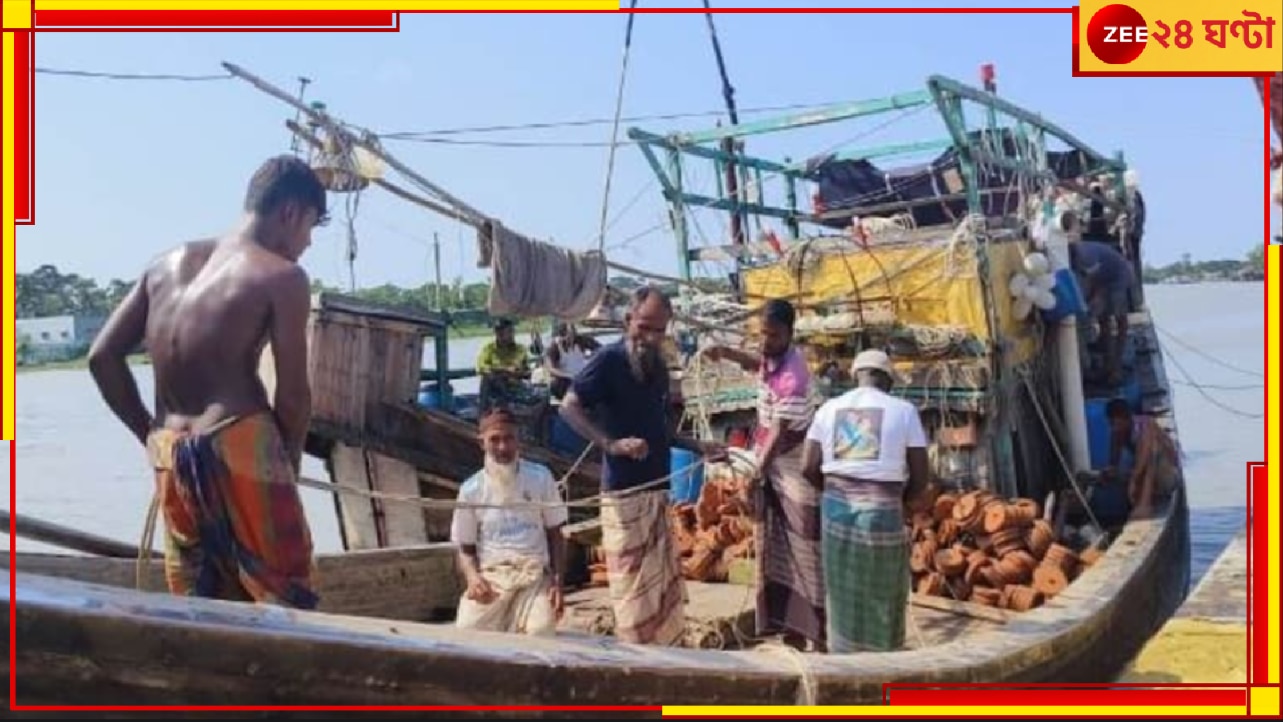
[(205, 310)]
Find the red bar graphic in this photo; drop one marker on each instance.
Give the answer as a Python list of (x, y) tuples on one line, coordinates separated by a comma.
[(1069, 697), (215, 18), (24, 210), (1260, 631)]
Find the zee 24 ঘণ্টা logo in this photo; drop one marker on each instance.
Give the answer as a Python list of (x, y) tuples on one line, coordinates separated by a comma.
[(1118, 34)]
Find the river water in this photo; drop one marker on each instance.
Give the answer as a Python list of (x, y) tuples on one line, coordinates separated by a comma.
[(77, 466)]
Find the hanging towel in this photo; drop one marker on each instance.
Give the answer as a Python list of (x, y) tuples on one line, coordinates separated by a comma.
[(532, 278)]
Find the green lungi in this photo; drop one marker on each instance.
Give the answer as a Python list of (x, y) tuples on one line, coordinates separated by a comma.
[(866, 565)]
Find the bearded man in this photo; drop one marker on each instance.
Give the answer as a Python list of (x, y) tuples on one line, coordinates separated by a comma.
[(625, 386), (508, 530)]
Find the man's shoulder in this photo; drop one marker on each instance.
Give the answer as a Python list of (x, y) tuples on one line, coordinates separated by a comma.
[(471, 486), (535, 472)]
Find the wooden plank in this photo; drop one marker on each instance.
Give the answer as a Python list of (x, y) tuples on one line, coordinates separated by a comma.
[(403, 523), (360, 525)]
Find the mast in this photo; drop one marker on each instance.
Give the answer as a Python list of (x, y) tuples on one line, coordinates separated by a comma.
[(729, 147)]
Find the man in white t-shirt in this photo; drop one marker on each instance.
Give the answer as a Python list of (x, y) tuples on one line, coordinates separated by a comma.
[(510, 551), (867, 450)]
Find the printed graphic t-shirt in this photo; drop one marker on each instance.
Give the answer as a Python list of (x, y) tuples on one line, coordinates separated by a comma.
[(865, 433), (509, 534)]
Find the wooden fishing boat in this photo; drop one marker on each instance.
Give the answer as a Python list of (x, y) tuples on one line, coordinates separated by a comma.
[(1018, 419)]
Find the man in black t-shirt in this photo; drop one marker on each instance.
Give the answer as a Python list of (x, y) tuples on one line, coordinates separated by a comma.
[(625, 388)]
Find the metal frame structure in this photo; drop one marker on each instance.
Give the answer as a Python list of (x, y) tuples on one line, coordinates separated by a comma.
[(949, 98)]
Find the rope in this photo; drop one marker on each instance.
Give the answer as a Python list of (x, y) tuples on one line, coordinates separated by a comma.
[(1199, 388), (1073, 480), (144, 548), (1199, 352), (808, 690), (614, 136)]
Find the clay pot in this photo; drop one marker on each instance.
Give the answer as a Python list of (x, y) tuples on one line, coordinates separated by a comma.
[(1014, 570), (1007, 541), (986, 596), (1061, 556), (1023, 560), (950, 562), (1050, 580), (943, 508), (1021, 598), (929, 548), (1039, 538), (995, 575), (947, 532), (975, 573), (966, 511), (1007, 516), (932, 584), (1030, 507), (1090, 556), (977, 557), (918, 560)]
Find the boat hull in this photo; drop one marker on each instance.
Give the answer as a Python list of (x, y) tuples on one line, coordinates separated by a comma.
[(110, 645)]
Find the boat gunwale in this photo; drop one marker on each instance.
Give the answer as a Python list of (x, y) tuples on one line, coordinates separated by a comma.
[(1082, 609)]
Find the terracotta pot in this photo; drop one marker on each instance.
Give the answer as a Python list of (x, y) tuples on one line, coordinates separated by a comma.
[(1022, 599), (975, 573), (1030, 507), (950, 562), (918, 559), (986, 596), (1063, 557), (1039, 538), (1050, 579), (943, 508), (932, 584), (1024, 561), (1091, 556), (947, 532)]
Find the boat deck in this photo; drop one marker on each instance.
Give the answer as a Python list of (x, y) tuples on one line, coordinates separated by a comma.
[(721, 616), (1206, 641)]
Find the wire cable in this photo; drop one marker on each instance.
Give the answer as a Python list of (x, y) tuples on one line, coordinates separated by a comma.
[(131, 76)]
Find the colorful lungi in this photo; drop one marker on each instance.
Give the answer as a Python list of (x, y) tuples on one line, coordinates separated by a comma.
[(643, 568), (235, 526), (523, 604), (790, 594), (866, 565)]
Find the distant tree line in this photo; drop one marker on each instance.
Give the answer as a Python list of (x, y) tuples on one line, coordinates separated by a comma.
[(1252, 267)]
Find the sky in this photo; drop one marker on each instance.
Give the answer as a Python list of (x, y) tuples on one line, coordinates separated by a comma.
[(127, 169)]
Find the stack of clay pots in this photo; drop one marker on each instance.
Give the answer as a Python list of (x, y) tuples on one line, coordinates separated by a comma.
[(979, 547), (710, 534)]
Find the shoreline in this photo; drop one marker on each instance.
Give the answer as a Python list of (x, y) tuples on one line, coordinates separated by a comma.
[(142, 359)]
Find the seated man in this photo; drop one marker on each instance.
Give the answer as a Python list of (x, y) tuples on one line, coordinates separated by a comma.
[(511, 552), (1108, 284), (567, 356), (1142, 457), (502, 365)]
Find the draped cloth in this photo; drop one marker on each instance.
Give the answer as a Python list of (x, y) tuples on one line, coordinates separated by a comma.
[(532, 278), (234, 523)]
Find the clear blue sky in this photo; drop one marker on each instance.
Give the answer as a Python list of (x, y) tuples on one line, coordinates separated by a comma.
[(126, 169)]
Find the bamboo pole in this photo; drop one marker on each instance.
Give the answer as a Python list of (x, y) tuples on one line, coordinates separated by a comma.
[(62, 536)]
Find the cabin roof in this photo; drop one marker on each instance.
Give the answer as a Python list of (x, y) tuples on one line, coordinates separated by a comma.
[(329, 301)]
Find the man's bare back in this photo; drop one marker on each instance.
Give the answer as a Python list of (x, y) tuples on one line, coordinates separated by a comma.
[(210, 314), (206, 309)]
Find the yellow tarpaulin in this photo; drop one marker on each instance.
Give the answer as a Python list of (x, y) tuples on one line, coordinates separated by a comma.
[(930, 284)]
